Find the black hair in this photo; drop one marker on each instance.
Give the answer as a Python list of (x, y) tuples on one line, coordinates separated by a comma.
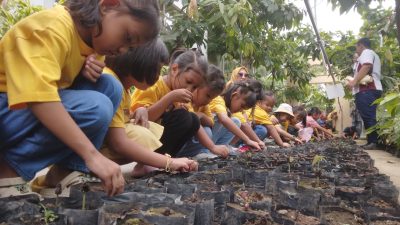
[(249, 88), (301, 111), (189, 59), (314, 110), (364, 41), (215, 79), (142, 63), (88, 12), (267, 94)]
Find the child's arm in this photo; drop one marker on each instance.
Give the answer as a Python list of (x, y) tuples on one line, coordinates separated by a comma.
[(141, 117), (158, 108), (231, 126), (325, 131), (203, 138), (275, 135), (286, 135), (205, 121), (55, 118), (246, 128), (122, 144)]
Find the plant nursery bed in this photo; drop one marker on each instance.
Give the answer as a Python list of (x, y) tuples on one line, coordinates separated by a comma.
[(328, 182)]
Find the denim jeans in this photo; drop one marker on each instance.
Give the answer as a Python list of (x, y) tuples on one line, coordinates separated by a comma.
[(218, 134), (193, 147), (221, 135), (367, 111), (261, 131), (28, 146)]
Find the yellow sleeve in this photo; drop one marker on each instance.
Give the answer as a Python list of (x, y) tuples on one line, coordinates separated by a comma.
[(240, 116), (217, 105), (120, 117), (33, 66), (207, 111), (261, 116), (147, 97)]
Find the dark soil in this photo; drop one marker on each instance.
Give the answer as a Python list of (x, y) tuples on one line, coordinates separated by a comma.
[(245, 189), (340, 218), (298, 217), (385, 222)]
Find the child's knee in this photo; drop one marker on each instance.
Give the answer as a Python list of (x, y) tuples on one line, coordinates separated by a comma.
[(191, 122), (110, 87), (100, 112), (261, 131)]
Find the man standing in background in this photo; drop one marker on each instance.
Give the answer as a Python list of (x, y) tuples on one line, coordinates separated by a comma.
[(367, 89)]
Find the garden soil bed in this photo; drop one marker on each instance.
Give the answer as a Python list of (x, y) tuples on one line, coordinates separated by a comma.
[(275, 186)]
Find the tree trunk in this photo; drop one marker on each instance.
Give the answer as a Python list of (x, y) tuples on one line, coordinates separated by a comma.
[(398, 20)]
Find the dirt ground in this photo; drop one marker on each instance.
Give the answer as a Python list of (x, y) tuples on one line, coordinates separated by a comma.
[(386, 163)]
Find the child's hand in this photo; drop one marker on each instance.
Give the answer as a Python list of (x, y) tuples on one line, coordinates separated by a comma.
[(184, 165), (220, 150), (298, 141), (253, 144), (181, 95), (286, 145), (261, 144), (274, 120), (109, 173), (92, 68), (141, 116)]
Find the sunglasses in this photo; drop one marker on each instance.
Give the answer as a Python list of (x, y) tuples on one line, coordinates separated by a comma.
[(243, 75)]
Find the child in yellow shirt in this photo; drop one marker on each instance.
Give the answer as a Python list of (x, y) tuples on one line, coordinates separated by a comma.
[(127, 141), (239, 96), (45, 118), (262, 124), (165, 101), (201, 99)]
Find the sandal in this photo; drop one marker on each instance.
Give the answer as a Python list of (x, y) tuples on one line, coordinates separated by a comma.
[(63, 188), (11, 187)]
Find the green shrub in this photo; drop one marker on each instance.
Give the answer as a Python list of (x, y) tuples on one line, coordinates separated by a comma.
[(14, 11), (388, 116)]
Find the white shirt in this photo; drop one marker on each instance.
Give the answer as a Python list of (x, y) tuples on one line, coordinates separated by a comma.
[(369, 57)]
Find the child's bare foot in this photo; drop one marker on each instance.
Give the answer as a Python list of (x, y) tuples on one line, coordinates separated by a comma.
[(55, 175), (140, 170)]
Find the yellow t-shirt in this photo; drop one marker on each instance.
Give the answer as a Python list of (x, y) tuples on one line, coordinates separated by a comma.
[(260, 116), (121, 116), (203, 109), (150, 96), (217, 105), (241, 116), (39, 55)]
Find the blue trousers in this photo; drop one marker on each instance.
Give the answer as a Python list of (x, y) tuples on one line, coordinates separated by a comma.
[(193, 147), (28, 147), (261, 131), (367, 111), (218, 134)]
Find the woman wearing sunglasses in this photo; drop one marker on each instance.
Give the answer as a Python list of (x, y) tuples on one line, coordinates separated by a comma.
[(238, 74)]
